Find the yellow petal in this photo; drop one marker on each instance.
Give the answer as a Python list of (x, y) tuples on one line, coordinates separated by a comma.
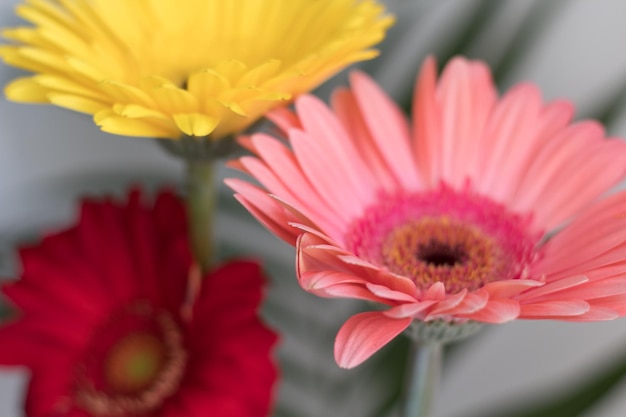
[(26, 90), (174, 100), (85, 70), (234, 107), (207, 84), (196, 124), (65, 85), (232, 69), (36, 60), (135, 111), (24, 35), (125, 93), (119, 125), (76, 103), (43, 14), (259, 74)]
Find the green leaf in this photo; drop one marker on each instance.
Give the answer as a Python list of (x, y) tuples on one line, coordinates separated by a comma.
[(612, 106), (470, 28), (4, 312), (528, 33)]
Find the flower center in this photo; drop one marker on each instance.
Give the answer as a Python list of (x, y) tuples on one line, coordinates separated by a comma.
[(458, 238), (439, 254), (133, 363)]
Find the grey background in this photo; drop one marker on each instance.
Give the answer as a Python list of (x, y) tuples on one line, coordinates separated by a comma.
[(49, 157)]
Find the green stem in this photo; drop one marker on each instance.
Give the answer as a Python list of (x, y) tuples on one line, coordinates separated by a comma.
[(421, 382), (201, 202)]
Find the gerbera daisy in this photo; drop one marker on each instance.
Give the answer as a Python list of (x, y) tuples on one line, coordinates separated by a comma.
[(485, 210), (111, 322), (164, 68)]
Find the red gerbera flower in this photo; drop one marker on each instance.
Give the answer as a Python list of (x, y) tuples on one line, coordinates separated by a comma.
[(113, 323)]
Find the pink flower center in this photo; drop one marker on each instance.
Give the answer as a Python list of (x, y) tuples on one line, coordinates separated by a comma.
[(133, 363), (461, 239)]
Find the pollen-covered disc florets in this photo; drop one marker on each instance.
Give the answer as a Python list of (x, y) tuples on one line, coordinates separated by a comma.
[(134, 362), (457, 238)]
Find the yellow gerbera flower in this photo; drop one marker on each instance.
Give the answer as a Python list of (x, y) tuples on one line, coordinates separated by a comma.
[(164, 68)]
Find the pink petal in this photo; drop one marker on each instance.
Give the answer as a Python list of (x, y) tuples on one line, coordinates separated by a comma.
[(596, 289), (574, 140), (311, 258), (389, 294), (313, 255), (450, 302), (353, 291), (437, 292), (548, 290), (543, 124), (356, 261), (471, 303), (594, 314), (347, 111), (245, 141), (427, 122), (278, 229), (583, 180), (511, 287), (285, 166), (340, 153), (274, 185), (616, 303), (593, 240), (389, 129), (549, 309), (454, 92), (408, 310), (496, 311), (237, 165), (320, 281), (284, 118), (266, 210), (303, 228), (321, 272), (510, 126), (394, 282), (326, 177), (364, 334), (467, 95), (607, 271), (552, 120), (569, 172)]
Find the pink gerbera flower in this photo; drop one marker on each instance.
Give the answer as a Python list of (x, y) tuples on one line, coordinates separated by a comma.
[(115, 321), (485, 210)]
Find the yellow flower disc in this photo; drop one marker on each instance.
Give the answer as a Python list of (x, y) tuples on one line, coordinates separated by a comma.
[(164, 68)]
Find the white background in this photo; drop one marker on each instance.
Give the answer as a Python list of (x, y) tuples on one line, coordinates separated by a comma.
[(49, 157)]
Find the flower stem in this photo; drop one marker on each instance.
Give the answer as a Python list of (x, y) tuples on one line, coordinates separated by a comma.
[(422, 379), (201, 202)]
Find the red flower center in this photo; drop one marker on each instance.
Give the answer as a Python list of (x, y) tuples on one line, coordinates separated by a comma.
[(458, 238), (133, 363)]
